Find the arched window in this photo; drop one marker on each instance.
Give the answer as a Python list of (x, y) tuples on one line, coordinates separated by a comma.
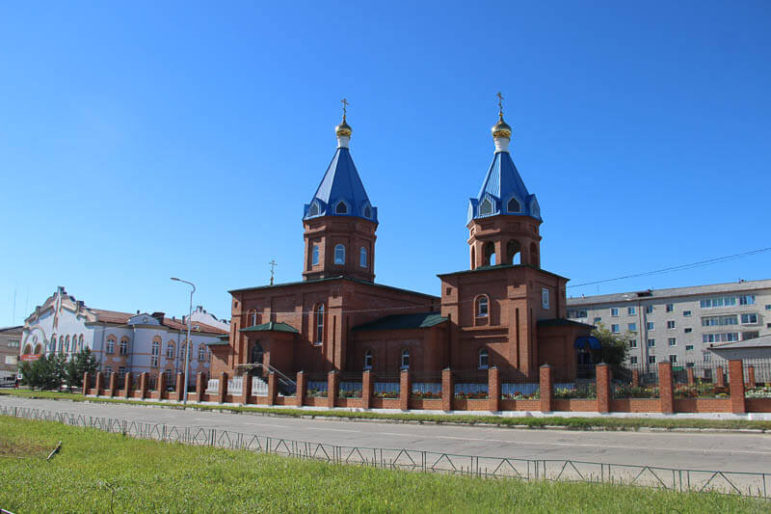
[(368, 359), (38, 349), (67, 344), (489, 254), (405, 360), (61, 344), (512, 252), (52, 344), (201, 352), (363, 257), (170, 350), (80, 343), (367, 211), (27, 349), (314, 210), (315, 255), (341, 208), (110, 348), (74, 346), (154, 357), (124, 347), (182, 350), (484, 359), (253, 317), (339, 254), (486, 207), (513, 206), (318, 322), (482, 307)]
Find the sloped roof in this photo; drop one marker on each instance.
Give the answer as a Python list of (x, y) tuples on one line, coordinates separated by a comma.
[(341, 182), (106, 316), (272, 327), (502, 183), (561, 322), (404, 321)]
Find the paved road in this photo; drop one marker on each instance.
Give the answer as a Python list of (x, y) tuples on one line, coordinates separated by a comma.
[(721, 451)]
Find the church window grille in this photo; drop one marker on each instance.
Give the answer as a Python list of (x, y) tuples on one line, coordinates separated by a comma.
[(363, 257), (484, 359), (319, 324), (339, 254), (482, 307), (154, 358), (315, 255)]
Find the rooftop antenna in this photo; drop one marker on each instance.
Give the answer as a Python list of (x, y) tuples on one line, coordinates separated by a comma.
[(273, 265)]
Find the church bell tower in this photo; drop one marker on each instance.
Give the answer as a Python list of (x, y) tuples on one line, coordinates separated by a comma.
[(340, 221), (504, 218)]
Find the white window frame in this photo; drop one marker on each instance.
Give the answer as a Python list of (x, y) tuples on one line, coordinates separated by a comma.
[(315, 254), (340, 254), (363, 258), (484, 359), (545, 298)]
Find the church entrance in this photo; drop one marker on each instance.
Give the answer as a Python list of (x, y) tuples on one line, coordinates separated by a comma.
[(256, 355)]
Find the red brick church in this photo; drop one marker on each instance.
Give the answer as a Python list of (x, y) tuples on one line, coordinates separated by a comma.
[(504, 311)]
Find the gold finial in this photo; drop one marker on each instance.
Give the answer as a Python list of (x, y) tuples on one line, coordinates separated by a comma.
[(344, 129), (501, 129)]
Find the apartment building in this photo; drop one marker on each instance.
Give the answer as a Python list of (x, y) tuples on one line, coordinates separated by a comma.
[(680, 324), (10, 342)]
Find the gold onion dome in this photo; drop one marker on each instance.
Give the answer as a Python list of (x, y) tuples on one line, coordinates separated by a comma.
[(501, 129), (343, 129)]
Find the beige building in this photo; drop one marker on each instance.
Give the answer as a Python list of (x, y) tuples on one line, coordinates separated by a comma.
[(680, 324), (10, 342)]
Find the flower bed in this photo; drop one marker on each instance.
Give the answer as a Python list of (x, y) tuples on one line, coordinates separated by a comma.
[(630, 391), (758, 392), (700, 390), (426, 395), (570, 391)]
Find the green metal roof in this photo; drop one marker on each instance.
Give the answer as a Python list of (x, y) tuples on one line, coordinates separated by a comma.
[(404, 322), (271, 327), (499, 267)]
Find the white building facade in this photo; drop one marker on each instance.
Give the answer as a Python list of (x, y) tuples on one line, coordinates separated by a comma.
[(679, 325), (121, 342)]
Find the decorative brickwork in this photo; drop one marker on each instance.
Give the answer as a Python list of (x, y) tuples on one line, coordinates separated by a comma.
[(300, 394), (367, 380), (405, 389), (493, 389), (603, 387), (333, 380), (736, 386), (546, 385), (448, 389), (666, 389)]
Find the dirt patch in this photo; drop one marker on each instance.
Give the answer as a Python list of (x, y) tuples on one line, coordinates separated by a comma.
[(25, 448)]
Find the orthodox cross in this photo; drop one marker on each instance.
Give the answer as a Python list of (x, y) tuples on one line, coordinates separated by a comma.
[(273, 265), (500, 103), (345, 103)]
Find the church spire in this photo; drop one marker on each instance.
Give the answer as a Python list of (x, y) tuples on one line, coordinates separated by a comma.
[(343, 131)]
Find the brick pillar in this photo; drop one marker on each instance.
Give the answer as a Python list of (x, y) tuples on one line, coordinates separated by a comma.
[(272, 388), (99, 383), (603, 387), (405, 389), (300, 393), (180, 386), (200, 385), (736, 386), (493, 389), (86, 381), (448, 389), (113, 384), (161, 386), (333, 384), (143, 385), (751, 376), (223, 387), (546, 385), (367, 381), (720, 378), (246, 389), (691, 380), (666, 389), (635, 378), (127, 385)]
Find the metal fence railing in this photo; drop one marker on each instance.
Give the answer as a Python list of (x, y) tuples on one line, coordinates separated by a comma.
[(674, 479)]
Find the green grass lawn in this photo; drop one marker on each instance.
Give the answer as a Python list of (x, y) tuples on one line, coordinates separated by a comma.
[(102, 472), (576, 423)]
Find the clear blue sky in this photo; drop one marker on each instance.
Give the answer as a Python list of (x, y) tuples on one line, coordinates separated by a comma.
[(141, 140)]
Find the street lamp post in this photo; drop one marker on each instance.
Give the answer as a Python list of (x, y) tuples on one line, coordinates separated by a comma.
[(187, 342)]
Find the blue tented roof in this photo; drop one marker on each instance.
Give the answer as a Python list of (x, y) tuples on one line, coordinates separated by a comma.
[(501, 184), (341, 182)]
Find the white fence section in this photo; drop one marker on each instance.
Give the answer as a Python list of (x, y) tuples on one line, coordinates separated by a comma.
[(259, 387), (213, 386), (236, 386)]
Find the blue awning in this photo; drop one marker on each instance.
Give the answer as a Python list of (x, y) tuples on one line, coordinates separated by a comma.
[(592, 342)]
